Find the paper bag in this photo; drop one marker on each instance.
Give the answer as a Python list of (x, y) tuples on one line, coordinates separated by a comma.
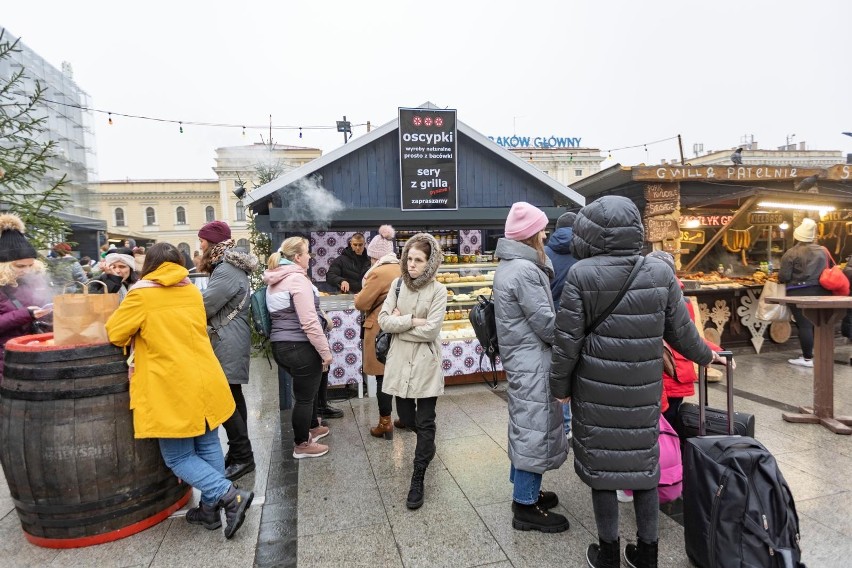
[(772, 312), (79, 319)]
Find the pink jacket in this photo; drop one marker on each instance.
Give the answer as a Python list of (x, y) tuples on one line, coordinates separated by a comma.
[(293, 304)]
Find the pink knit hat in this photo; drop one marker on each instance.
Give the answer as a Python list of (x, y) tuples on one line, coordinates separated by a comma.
[(524, 221), (381, 244)]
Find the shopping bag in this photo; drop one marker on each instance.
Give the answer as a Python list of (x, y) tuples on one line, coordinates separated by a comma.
[(772, 312), (79, 319)]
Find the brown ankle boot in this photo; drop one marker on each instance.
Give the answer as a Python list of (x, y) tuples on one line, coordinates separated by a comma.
[(384, 428)]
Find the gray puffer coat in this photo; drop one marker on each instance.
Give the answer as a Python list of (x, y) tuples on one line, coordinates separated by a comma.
[(226, 290), (523, 308), (614, 377)]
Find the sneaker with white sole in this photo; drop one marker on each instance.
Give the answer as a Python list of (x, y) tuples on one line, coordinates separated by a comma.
[(309, 449), (801, 362), (319, 432), (623, 497)]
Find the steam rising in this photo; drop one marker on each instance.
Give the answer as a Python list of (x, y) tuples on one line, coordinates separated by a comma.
[(306, 205)]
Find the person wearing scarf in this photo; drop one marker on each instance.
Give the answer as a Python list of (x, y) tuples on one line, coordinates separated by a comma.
[(226, 302)]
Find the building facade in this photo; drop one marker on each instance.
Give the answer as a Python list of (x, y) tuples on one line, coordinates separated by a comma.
[(174, 210), (67, 123), (565, 165)]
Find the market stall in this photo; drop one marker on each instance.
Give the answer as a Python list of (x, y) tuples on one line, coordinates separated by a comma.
[(728, 227), (425, 171)]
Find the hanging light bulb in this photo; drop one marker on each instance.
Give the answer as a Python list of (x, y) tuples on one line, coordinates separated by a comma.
[(181, 127), (109, 120), (244, 131), (300, 132)]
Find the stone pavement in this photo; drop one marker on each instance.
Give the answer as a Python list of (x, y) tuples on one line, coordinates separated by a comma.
[(348, 507)]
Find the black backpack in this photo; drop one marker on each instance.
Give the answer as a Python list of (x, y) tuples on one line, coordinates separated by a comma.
[(485, 327)]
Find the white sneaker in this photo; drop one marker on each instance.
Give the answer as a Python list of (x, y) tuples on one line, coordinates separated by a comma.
[(623, 497), (801, 362)]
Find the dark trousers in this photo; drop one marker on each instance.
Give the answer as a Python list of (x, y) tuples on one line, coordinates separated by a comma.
[(421, 413), (304, 364), (806, 328), (671, 413), (322, 395), (646, 505), (285, 389), (385, 400), (239, 445)]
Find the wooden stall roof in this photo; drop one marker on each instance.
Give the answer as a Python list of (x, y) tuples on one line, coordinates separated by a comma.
[(259, 198)]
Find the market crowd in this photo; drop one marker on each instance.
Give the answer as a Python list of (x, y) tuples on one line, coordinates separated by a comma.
[(583, 319)]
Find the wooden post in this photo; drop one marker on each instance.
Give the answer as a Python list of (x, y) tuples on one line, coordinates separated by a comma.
[(741, 212)]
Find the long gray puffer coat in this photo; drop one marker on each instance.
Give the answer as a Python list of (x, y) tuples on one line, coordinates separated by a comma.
[(226, 289), (614, 377), (523, 308)]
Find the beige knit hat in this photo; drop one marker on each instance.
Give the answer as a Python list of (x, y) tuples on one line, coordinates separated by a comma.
[(806, 232)]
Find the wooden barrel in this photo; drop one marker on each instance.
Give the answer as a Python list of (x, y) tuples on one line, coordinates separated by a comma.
[(76, 474)]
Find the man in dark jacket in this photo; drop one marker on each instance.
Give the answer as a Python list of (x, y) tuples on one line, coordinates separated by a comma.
[(558, 250), (347, 270), (613, 376)]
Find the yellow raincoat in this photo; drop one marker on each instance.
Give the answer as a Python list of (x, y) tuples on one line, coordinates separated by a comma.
[(178, 388)]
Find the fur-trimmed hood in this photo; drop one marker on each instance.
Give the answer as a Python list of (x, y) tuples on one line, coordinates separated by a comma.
[(245, 261), (432, 263)]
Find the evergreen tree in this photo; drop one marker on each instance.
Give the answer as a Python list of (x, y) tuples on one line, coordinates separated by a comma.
[(27, 186)]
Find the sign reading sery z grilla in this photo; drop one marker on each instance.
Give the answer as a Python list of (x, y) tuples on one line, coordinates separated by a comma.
[(427, 158)]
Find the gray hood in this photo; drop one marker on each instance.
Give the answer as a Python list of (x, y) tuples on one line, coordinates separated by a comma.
[(507, 249)]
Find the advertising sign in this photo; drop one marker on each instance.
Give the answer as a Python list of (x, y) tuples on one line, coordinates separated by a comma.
[(428, 154)]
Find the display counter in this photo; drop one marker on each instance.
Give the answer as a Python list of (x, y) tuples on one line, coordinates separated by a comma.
[(459, 348)]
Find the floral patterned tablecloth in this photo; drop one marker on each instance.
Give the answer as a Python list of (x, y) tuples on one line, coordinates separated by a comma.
[(459, 357)]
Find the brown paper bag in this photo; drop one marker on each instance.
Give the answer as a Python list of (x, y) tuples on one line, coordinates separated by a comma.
[(79, 319)]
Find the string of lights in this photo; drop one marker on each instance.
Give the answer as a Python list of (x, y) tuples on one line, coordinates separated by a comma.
[(182, 123), (645, 145)]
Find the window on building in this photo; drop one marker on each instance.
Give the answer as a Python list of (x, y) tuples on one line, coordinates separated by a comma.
[(241, 211), (578, 172), (209, 213), (150, 216), (119, 217), (181, 216), (243, 244)]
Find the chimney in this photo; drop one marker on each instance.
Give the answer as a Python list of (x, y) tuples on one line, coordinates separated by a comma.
[(803, 146), (753, 145)]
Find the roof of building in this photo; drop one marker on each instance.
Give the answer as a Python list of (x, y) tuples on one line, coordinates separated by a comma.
[(264, 192)]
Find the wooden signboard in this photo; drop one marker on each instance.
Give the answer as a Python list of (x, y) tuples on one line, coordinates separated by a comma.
[(691, 237), (765, 218), (660, 207), (724, 172), (660, 229), (662, 191)]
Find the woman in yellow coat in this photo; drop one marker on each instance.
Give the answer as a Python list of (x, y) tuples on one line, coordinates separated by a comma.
[(178, 391)]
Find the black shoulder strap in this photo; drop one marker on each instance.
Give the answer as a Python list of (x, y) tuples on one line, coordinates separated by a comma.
[(398, 285), (618, 298)]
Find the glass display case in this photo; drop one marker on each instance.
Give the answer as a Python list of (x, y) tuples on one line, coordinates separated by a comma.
[(465, 282)]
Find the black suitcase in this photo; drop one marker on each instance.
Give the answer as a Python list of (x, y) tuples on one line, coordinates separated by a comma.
[(716, 420), (737, 508)]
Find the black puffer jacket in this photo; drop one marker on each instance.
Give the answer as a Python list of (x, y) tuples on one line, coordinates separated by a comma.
[(614, 377), (350, 267)]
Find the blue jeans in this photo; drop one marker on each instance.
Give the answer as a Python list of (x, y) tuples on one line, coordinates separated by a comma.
[(199, 462), (566, 417), (527, 485)]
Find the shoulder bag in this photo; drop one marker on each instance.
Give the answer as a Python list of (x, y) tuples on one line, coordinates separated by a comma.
[(383, 338)]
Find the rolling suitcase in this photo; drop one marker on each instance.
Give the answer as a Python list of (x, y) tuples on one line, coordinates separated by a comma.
[(716, 420), (737, 508)]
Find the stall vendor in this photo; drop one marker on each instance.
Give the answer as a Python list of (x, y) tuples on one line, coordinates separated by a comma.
[(347, 270)]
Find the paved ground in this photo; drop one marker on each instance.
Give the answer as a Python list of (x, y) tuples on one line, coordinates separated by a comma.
[(348, 508)]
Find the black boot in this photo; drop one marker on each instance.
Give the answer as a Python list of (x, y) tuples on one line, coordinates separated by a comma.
[(535, 518), (236, 470), (415, 493), (642, 556), (547, 500), (604, 555), (328, 411), (236, 503), (205, 515)]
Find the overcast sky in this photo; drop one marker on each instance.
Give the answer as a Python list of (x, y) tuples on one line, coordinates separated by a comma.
[(612, 73)]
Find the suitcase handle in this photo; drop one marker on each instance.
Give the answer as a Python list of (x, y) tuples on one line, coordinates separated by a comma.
[(703, 398)]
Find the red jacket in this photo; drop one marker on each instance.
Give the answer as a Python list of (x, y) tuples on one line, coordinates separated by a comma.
[(683, 386)]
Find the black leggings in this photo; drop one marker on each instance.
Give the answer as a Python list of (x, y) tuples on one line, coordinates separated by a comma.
[(385, 400), (304, 364), (646, 505)]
